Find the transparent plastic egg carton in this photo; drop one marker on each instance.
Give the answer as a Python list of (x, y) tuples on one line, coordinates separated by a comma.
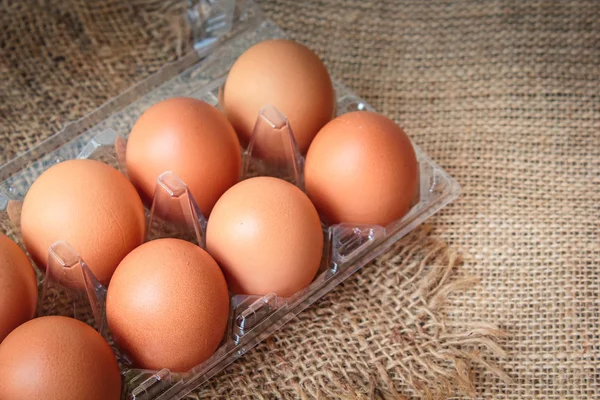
[(222, 30)]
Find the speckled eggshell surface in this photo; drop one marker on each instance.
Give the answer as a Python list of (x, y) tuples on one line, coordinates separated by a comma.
[(57, 358), (190, 138), (266, 235), (362, 169), (168, 305), (287, 75), (91, 206), (18, 287)]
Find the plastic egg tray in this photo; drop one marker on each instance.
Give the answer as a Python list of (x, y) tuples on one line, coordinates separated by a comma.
[(222, 31)]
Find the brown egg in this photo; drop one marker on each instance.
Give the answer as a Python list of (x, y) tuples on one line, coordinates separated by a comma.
[(362, 169), (286, 75), (190, 138), (90, 205), (18, 287), (167, 305), (58, 358), (266, 235)]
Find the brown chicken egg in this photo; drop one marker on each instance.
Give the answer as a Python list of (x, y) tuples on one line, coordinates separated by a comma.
[(167, 305), (91, 206), (18, 287), (58, 358), (266, 235), (190, 138), (287, 75), (361, 168)]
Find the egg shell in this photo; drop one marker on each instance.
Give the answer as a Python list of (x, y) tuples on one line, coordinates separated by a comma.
[(287, 75), (18, 287), (58, 358), (168, 305), (91, 206), (266, 235), (190, 138), (362, 169)]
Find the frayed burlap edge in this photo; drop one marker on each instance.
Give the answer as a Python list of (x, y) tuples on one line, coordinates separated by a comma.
[(419, 352)]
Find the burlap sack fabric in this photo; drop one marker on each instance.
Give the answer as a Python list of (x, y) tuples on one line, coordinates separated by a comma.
[(502, 94)]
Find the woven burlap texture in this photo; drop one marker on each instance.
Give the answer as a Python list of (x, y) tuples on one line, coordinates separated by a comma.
[(502, 94)]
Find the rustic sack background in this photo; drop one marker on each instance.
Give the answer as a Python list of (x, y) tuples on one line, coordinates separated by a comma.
[(503, 94)]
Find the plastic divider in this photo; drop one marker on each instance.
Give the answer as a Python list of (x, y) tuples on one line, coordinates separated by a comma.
[(174, 212), (347, 241), (69, 280), (272, 150), (148, 387), (251, 311)]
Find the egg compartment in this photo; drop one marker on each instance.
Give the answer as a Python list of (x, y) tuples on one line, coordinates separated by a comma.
[(230, 28)]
